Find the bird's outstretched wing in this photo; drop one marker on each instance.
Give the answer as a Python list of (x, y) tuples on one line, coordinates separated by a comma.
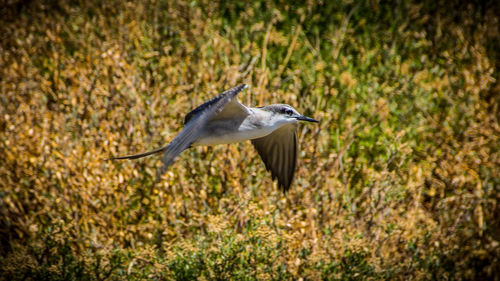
[(278, 150), (194, 122), (219, 104)]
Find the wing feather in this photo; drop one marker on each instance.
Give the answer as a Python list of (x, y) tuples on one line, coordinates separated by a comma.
[(278, 151), (226, 98), (192, 130)]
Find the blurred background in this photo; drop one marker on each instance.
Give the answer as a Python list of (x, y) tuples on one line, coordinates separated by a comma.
[(400, 179)]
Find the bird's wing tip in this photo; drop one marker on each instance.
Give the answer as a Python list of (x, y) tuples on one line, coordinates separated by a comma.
[(240, 87)]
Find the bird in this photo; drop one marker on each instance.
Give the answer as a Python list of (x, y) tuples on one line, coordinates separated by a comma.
[(223, 120)]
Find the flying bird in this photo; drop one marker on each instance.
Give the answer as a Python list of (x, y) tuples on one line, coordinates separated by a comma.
[(223, 119)]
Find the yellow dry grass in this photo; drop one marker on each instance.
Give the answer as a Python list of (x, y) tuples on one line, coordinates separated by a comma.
[(399, 180)]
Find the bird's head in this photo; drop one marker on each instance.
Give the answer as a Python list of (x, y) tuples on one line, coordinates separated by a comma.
[(284, 114)]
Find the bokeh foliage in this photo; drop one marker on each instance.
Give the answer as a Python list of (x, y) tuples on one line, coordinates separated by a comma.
[(399, 180)]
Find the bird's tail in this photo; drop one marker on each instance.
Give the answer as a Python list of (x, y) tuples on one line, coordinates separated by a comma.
[(135, 156)]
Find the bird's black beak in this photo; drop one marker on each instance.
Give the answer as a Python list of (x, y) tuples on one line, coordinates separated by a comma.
[(305, 118)]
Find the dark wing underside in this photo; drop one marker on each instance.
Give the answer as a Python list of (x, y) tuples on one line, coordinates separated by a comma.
[(195, 121), (278, 150)]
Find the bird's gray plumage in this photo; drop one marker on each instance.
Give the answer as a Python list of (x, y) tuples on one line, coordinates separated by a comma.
[(272, 130)]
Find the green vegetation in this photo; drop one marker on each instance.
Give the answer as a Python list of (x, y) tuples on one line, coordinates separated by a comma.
[(400, 180)]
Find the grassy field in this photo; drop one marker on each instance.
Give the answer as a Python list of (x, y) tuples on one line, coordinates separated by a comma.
[(399, 180)]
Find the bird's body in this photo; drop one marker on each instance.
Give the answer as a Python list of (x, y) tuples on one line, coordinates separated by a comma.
[(238, 128), (224, 120)]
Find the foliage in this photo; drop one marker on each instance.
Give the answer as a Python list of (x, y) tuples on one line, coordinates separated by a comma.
[(398, 181)]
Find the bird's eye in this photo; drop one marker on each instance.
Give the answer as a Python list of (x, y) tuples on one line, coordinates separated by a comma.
[(289, 111)]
